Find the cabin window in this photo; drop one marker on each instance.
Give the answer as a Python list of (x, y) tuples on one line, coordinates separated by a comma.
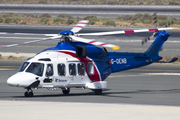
[(23, 66), (61, 69), (36, 68), (72, 69), (90, 68), (81, 69), (49, 70)]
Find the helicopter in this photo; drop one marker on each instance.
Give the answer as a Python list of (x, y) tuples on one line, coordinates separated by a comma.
[(78, 62)]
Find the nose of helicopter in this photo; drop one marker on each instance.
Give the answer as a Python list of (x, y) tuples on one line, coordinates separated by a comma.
[(12, 82), (21, 79)]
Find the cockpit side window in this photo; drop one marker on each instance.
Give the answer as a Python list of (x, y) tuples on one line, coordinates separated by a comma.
[(81, 69), (36, 68), (49, 70), (72, 69), (23, 66), (61, 70)]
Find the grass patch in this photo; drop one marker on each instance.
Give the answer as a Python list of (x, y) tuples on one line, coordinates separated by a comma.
[(12, 58), (137, 20)]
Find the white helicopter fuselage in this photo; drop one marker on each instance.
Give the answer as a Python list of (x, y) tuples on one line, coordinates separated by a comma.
[(55, 69)]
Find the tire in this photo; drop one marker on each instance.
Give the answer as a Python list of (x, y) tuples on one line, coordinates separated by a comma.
[(66, 92), (98, 91), (31, 94), (26, 94)]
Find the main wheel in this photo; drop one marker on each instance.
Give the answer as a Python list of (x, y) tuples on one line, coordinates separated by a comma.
[(31, 94), (66, 92), (26, 94), (98, 91)]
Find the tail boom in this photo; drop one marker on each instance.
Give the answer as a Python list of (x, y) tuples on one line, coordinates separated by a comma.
[(124, 61)]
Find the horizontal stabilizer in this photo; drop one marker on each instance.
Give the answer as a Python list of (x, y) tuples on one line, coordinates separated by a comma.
[(173, 60)]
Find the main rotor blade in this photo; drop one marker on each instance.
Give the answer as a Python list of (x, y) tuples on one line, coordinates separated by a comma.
[(79, 26), (19, 33), (9, 33), (50, 38), (128, 31), (114, 47)]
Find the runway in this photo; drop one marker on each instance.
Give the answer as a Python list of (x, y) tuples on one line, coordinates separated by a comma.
[(150, 92), (151, 85)]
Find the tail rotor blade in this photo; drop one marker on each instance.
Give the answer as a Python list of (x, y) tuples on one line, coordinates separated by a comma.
[(155, 34), (149, 38), (167, 25), (155, 20)]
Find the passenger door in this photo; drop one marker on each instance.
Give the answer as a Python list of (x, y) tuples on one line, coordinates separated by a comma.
[(47, 82), (61, 80)]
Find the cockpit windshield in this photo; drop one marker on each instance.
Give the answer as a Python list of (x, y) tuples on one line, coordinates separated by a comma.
[(36, 68), (23, 66)]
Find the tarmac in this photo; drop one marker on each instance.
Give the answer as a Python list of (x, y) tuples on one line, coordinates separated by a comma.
[(25, 55), (44, 110), (26, 110)]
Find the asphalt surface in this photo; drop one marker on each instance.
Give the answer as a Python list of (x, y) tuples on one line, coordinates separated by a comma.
[(150, 92), (85, 10), (150, 85)]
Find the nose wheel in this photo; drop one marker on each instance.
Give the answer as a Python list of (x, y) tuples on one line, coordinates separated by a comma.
[(29, 93)]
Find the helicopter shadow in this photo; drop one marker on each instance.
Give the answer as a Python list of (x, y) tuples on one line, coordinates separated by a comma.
[(108, 93), (73, 94)]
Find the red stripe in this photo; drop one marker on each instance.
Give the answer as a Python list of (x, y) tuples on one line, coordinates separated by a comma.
[(93, 78), (155, 29), (2, 46), (79, 26), (92, 42), (9, 33), (103, 44), (20, 43), (82, 23), (129, 31)]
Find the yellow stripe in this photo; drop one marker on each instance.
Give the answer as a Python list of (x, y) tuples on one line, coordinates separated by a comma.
[(7, 69), (115, 48), (175, 27), (9, 66)]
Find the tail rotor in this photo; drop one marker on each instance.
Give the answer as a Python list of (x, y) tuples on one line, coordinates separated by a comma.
[(145, 40)]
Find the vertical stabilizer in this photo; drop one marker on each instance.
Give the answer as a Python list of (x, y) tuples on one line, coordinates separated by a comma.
[(155, 47)]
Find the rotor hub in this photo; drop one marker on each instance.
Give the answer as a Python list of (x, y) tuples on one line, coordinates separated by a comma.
[(66, 36), (66, 33)]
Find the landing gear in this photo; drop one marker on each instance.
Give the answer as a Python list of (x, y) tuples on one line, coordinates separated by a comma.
[(29, 94), (66, 92), (98, 91)]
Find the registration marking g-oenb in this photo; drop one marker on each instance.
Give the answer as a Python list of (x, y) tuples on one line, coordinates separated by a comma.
[(119, 61)]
